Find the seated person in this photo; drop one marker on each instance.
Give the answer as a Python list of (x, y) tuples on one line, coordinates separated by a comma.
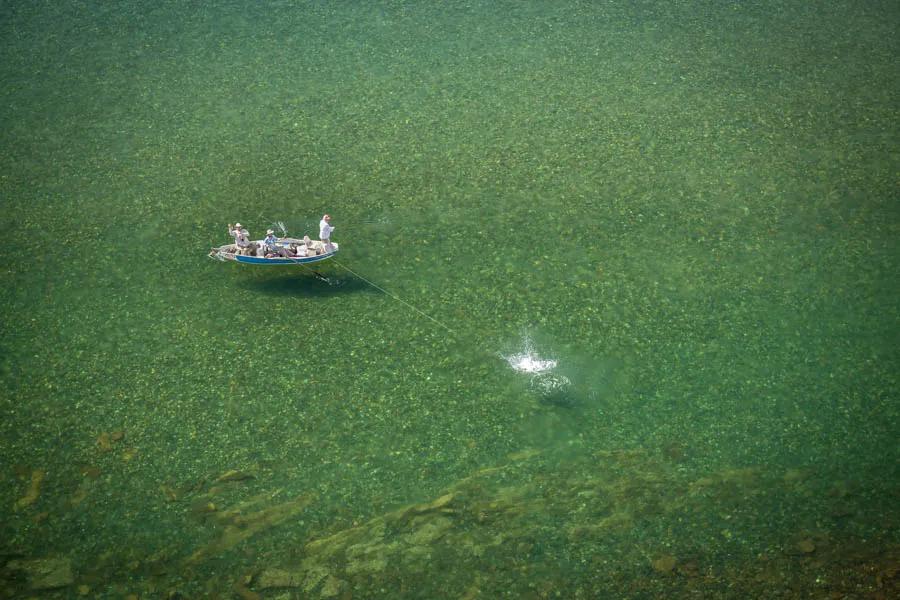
[(272, 248)]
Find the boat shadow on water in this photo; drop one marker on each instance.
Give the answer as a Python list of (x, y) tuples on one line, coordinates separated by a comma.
[(307, 284)]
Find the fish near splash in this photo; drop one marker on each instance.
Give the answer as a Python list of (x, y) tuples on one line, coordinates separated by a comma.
[(553, 389)]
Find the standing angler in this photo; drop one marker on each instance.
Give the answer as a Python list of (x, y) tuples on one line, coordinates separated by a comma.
[(325, 230)]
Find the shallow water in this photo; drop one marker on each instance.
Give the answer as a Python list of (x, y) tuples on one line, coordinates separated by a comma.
[(690, 207)]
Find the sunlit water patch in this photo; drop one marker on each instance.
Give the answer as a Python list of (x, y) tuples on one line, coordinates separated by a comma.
[(550, 386)]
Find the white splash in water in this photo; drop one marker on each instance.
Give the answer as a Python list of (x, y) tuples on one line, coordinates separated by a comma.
[(528, 361)]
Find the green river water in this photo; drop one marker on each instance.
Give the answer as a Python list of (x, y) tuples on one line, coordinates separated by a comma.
[(690, 206)]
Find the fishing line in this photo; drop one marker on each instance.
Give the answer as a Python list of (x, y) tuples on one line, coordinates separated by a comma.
[(398, 299), (355, 274), (316, 274), (553, 387)]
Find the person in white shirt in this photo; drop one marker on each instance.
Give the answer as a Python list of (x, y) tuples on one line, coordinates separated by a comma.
[(241, 239), (325, 230)]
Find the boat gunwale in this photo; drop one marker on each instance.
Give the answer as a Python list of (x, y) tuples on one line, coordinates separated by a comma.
[(225, 253)]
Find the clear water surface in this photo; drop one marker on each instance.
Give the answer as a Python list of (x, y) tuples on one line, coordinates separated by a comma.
[(691, 207)]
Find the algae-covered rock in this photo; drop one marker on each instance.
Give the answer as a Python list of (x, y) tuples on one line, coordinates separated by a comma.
[(234, 475), (44, 573), (664, 564), (313, 576), (441, 502), (33, 491), (278, 578), (371, 566), (239, 525), (517, 513), (429, 530), (333, 587)]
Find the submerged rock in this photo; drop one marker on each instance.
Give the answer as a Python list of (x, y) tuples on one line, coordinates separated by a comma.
[(44, 573), (279, 578), (33, 491), (533, 510), (234, 475), (664, 564), (238, 524), (333, 587)]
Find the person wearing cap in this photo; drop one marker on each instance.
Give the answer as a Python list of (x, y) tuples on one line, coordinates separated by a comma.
[(241, 239), (325, 230), (270, 243)]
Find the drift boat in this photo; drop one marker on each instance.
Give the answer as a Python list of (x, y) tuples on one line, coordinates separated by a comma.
[(296, 252)]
